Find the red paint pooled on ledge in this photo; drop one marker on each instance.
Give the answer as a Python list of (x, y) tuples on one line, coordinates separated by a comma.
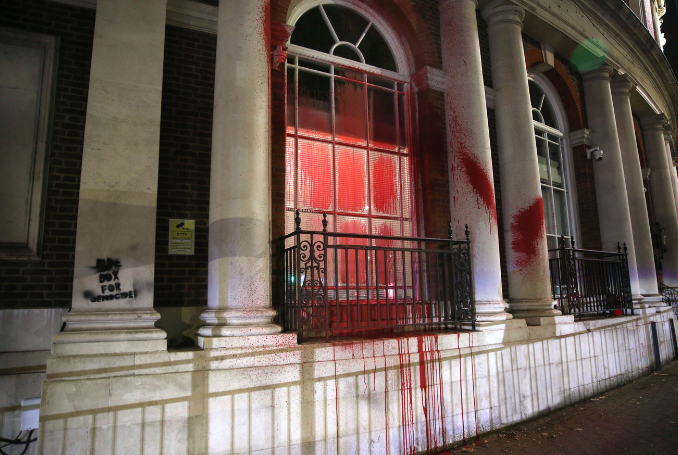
[(527, 231)]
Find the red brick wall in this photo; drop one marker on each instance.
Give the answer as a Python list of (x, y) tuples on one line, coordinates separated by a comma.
[(48, 282), (184, 165)]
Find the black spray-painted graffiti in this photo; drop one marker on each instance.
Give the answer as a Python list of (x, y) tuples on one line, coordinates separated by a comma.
[(109, 282)]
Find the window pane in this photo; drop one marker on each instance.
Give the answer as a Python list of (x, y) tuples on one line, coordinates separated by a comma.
[(560, 202), (346, 52), (385, 188), (386, 260), (349, 102), (325, 68), (549, 218), (291, 95), (405, 179), (290, 174), (542, 157), (311, 32), (376, 51), (338, 71), (557, 175), (382, 118), (381, 82), (315, 117), (315, 175), (351, 180), (402, 120), (348, 271), (348, 25)]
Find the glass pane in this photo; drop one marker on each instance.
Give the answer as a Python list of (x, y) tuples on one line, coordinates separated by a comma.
[(549, 218), (290, 174), (385, 263), (346, 52), (406, 194), (341, 72), (549, 114), (315, 175), (385, 188), (314, 65), (351, 180), (291, 95), (315, 109), (347, 24), (381, 82), (382, 118), (353, 271), (536, 95), (311, 32), (557, 173), (349, 101), (402, 120), (542, 157), (552, 242), (376, 51), (560, 207)]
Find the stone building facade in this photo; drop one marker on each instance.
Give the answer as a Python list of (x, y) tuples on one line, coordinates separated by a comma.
[(153, 154)]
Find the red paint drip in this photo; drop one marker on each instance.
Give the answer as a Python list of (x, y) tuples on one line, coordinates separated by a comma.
[(406, 402), (385, 185), (473, 384), (383, 351), (528, 231), (336, 392), (461, 390), (430, 384)]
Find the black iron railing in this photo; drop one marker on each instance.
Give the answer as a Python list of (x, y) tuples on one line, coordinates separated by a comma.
[(336, 284), (669, 296), (590, 282)]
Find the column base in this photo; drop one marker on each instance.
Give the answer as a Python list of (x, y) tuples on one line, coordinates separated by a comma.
[(492, 311), (109, 332), (238, 323), (534, 308)]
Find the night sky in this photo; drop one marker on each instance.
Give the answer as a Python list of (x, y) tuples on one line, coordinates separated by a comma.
[(670, 30)]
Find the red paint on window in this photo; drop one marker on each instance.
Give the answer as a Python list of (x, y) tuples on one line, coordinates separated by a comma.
[(351, 181), (350, 274), (385, 259), (315, 176), (527, 232), (385, 185)]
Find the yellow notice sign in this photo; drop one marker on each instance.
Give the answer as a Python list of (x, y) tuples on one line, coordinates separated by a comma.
[(182, 237)]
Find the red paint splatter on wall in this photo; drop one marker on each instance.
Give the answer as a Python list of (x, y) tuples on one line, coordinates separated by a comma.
[(471, 169), (528, 231), (385, 185), (406, 401), (430, 384)]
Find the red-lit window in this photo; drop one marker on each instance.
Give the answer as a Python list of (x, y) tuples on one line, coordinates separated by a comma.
[(347, 150)]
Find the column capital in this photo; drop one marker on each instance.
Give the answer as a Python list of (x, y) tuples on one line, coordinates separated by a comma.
[(503, 12), (653, 122), (450, 2), (603, 72), (622, 85)]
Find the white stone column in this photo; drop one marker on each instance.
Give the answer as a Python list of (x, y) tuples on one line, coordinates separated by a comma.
[(663, 200), (112, 309), (642, 236), (469, 154), (668, 140), (239, 255), (613, 202), (524, 231)]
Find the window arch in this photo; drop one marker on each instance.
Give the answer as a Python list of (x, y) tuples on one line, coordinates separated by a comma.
[(348, 150), (550, 131)]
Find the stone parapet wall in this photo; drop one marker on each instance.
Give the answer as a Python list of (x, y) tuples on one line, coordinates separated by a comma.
[(393, 395)]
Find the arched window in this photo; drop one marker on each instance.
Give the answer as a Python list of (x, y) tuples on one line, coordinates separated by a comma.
[(552, 166), (347, 127)]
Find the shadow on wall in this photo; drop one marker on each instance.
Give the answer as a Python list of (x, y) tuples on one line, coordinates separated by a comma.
[(181, 324), (377, 396)]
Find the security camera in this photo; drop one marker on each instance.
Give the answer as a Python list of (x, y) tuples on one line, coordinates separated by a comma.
[(594, 153)]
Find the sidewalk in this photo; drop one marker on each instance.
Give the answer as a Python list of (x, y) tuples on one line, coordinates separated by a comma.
[(638, 418)]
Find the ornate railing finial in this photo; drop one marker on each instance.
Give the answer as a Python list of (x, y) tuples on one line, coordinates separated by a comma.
[(449, 230), (572, 242), (618, 248), (561, 242), (324, 221), (467, 233), (297, 221), (625, 251)]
